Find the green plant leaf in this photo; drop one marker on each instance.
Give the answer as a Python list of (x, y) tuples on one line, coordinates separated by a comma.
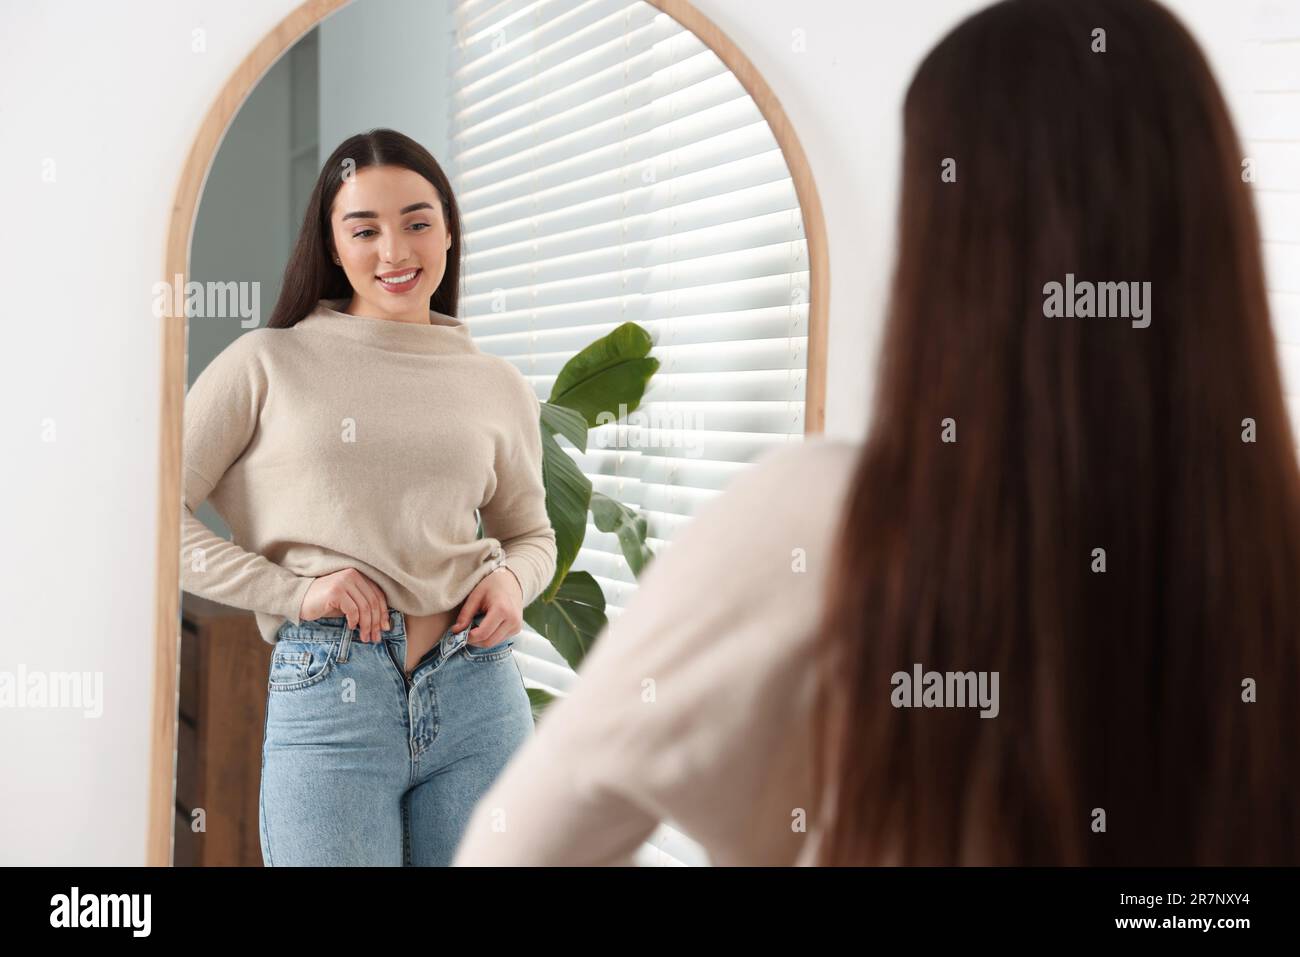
[(614, 516), (566, 422), (568, 496), (538, 700), (608, 377), (573, 619)]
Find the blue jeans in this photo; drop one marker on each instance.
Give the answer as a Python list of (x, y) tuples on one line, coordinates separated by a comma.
[(363, 766)]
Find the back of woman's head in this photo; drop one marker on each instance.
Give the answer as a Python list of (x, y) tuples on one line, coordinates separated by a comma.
[(1080, 474)]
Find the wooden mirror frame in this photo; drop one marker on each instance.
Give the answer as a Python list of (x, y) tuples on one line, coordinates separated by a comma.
[(185, 205)]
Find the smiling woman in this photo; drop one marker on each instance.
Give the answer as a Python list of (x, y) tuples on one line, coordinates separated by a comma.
[(349, 445), (392, 216), (394, 260)]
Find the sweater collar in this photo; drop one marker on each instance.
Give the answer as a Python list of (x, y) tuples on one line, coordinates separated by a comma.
[(443, 335)]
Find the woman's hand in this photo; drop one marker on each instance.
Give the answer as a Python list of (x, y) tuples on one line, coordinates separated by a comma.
[(501, 599), (351, 594)]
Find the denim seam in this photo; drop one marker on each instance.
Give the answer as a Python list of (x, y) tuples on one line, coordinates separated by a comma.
[(406, 831), (261, 787), (398, 673)]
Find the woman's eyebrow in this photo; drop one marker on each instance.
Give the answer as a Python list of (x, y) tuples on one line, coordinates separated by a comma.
[(371, 214)]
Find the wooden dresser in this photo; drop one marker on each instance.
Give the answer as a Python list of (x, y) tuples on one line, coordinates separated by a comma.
[(223, 668)]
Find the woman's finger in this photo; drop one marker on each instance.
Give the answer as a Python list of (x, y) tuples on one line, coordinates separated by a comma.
[(383, 606), (468, 609), (378, 609), (365, 605), (363, 609), (488, 627), (348, 605)]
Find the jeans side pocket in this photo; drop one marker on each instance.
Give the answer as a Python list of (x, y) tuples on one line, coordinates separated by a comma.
[(298, 664)]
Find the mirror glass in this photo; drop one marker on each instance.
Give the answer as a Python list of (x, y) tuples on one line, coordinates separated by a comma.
[(616, 184)]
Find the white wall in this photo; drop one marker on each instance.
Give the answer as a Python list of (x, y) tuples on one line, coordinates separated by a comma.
[(114, 102), (371, 75)]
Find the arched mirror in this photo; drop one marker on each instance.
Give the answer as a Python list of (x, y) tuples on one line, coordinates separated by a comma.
[(635, 211)]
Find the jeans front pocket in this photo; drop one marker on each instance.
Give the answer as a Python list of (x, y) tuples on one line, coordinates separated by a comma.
[(297, 664), (498, 652)]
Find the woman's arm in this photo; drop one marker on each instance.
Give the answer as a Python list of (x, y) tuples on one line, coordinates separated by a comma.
[(516, 514), (693, 705), (213, 567), (221, 415)]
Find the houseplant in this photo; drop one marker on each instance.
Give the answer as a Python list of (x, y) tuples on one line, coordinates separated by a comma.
[(602, 382)]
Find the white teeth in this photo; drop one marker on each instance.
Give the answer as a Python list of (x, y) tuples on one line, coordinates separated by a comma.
[(398, 280)]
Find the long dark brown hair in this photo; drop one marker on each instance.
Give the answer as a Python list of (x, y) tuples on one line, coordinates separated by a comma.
[(311, 274), (1124, 691)]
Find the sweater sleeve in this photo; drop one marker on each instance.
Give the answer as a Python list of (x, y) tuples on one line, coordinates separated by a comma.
[(516, 514), (222, 409), (680, 709)]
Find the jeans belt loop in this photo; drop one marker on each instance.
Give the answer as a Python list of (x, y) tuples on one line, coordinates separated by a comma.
[(346, 643)]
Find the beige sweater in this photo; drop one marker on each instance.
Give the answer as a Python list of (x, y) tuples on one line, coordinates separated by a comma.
[(694, 707), (349, 441)]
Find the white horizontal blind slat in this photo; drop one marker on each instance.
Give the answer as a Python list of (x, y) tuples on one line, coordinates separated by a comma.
[(641, 301)]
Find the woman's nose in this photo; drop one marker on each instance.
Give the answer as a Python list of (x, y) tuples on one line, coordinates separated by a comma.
[(396, 251)]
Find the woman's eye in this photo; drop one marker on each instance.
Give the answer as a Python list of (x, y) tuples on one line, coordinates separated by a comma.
[(362, 233)]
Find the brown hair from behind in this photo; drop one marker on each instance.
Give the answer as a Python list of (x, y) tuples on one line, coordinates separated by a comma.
[(1121, 691)]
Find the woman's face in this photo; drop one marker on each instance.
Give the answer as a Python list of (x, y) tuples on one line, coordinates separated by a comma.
[(387, 221)]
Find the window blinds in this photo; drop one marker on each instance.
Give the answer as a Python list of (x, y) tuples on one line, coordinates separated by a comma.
[(610, 168), (1269, 97)]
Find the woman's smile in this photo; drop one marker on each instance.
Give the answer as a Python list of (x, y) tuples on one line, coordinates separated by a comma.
[(400, 282)]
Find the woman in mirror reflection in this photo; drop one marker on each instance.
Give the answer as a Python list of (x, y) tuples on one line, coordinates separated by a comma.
[(353, 445)]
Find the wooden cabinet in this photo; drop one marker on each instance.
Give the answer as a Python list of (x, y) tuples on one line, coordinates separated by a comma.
[(223, 668)]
